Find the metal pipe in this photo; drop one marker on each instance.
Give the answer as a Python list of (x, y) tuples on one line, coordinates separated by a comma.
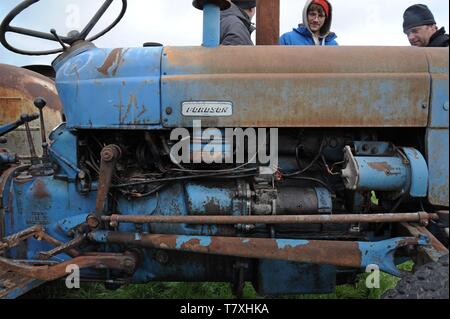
[(33, 155), (40, 103), (14, 239), (267, 22), (211, 25), (420, 217), (109, 156), (337, 253), (126, 262)]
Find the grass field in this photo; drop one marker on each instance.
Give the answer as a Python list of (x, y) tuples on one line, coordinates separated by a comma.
[(204, 290)]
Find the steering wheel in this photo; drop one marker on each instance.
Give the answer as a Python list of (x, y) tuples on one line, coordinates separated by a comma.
[(73, 37)]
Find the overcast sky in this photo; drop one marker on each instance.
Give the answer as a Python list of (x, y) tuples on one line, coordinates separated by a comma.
[(176, 22)]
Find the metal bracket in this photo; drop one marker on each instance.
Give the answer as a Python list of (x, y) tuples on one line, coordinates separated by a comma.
[(322, 252), (433, 250)]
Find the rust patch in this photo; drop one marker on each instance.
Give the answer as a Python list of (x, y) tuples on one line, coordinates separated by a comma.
[(40, 190), (11, 281), (381, 166), (339, 253), (191, 244), (24, 84), (355, 87), (142, 112), (114, 60), (132, 102), (125, 262), (212, 207)]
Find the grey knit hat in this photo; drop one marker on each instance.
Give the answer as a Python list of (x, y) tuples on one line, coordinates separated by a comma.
[(245, 4), (417, 15)]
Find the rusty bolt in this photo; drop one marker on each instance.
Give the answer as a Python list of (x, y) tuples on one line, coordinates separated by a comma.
[(107, 154), (128, 263), (110, 152), (162, 257), (169, 110), (423, 218), (424, 105), (114, 222), (92, 221)]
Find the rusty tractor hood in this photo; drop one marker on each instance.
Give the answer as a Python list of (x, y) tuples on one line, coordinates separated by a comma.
[(266, 86), (18, 90)]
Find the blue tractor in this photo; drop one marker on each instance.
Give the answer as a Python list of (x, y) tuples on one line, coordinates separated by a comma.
[(360, 180)]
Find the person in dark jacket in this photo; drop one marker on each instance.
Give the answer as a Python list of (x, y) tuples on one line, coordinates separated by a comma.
[(236, 23), (420, 27), (315, 29)]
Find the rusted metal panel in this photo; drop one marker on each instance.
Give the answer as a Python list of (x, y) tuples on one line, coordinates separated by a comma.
[(438, 60), (303, 219), (337, 253), (320, 252), (18, 90), (125, 262), (317, 87), (437, 133), (268, 22), (13, 285), (439, 106), (122, 83), (28, 85)]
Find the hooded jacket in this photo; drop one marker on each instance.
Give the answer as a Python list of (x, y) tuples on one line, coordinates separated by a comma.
[(439, 39), (235, 27), (303, 34)]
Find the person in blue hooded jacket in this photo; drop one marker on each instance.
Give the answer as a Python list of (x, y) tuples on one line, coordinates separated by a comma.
[(315, 29)]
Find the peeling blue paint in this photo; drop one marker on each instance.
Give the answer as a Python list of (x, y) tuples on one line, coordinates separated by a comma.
[(288, 243), (205, 241), (382, 253), (123, 84)]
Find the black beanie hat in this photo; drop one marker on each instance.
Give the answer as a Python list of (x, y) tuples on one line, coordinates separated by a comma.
[(417, 15), (245, 4)]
